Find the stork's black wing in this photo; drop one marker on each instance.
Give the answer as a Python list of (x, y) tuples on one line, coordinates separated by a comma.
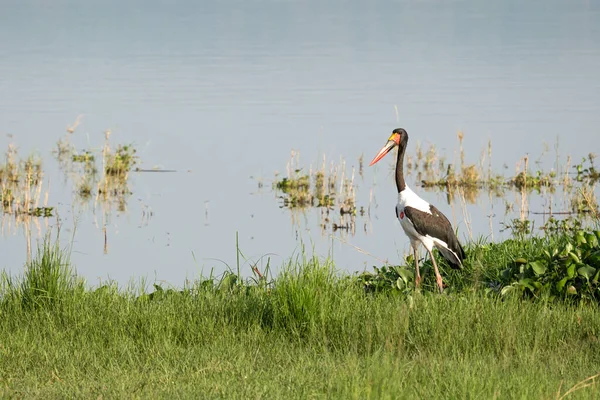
[(437, 226)]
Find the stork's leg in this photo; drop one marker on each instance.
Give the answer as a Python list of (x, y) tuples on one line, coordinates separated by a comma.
[(438, 277), (418, 278)]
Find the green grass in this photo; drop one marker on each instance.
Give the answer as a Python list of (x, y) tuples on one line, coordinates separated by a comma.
[(311, 332)]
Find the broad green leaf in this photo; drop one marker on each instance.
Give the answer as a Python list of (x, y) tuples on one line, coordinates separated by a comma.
[(538, 267), (580, 238), (400, 284), (526, 282), (571, 271), (561, 284), (592, 240), (568, 248), (406, 274), (547, 254), (574, 257), (571, 290), (507, 290), (521, 260), (586, 271)]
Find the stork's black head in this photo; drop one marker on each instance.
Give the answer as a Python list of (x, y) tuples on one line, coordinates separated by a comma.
[(400, 131), (399, 138)]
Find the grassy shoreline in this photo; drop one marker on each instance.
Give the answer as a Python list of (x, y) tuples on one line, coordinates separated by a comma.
[(310, 332)]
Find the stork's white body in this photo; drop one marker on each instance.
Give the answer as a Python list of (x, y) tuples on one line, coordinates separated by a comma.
[(409, 198)]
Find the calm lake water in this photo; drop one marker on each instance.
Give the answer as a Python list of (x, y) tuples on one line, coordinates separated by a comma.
[(222, 92)]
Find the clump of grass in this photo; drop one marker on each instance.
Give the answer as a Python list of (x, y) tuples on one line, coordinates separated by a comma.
[(297, 190), (113, 187), (323, 191), (120, 162), (49, 277), (21, 183), (327, 188), (524, 180), (110, 187), (301, 183)]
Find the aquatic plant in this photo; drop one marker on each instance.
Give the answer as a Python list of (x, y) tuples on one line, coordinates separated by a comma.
[(111, 186), (473, 179), (120, 162), (21, 185), (569, 267), (327, 188)]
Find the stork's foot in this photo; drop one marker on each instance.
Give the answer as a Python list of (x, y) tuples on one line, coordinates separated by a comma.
[(440, 284)]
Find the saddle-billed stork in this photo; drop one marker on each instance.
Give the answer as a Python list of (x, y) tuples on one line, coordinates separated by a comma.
[(421, 221)]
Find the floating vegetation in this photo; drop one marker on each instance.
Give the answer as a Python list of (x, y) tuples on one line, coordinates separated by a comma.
[(110, 187), (325, 187), (86, 157), (476, 176), (120, 163), (328, 188), (23, 195), (21, 182), (42, 212), (105, 185)]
